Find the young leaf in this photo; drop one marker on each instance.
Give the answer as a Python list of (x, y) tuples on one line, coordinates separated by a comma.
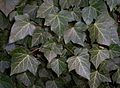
[(96, 79), (98, 56), (23, 61), (58, 66), (21, 28), (58, 21), (46, 8), (80, 63)]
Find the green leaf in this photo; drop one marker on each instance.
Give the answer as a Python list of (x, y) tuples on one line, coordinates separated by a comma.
[(8, 5), (104, 30), (88, 14), (51, 50), (21, 28), (46, 8), (51, 84), (114, 51), (97, 78), (23, 61), (76, 34), (5, 81), (112, 3), (39, 36), (58, 21), (98, 5), (58, 66), (80, 63), (98, 56)]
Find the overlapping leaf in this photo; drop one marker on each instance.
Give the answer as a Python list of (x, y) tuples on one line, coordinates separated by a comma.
[(116, 76), (98, 56), (46, 8), (23, 61), (4, 65), (58, 21), (21, 28), (76, 34), (96, 79), (80, 63), (104, 30)]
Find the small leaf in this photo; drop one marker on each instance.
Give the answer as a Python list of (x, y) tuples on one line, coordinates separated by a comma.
[(4, 65), (80, 63), (76, 34), (22, 61), (8, 5), (98, 56), (58, 21), (21, 28), (88, 14), (46, 8), (96, 79), (58, 66), (51, 84), (116, 76)]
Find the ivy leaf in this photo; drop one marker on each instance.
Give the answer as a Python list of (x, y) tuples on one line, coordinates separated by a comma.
[(51, 84), (104, 30), (114, 51), (80, 63), (98, 56), (112, 3), (23, 61), (67, 3), (21, 28), (58, 66), (116, 76), (51, 50), (8, 5), (98, 5), (4, 65), (5, 81), (46, 8), (58, 21), (39, 36), (97, 78), (76, 34), (88, 14)]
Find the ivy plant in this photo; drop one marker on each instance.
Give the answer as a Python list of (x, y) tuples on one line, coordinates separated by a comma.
[(59, 44)]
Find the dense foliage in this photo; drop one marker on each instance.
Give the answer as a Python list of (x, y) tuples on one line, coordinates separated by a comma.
[(59, 44)]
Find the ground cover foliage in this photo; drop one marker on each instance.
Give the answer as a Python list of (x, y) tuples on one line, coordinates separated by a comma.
[(59, 44)]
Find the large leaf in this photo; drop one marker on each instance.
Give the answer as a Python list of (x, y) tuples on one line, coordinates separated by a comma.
[(97, 78), (80, 63), (58, 66), (21, 28), (104, 30), (8, 5), (88, 14), (23, 61), (46, 8), (58, 21), (5, 81), (98, 55), (76, 34)]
